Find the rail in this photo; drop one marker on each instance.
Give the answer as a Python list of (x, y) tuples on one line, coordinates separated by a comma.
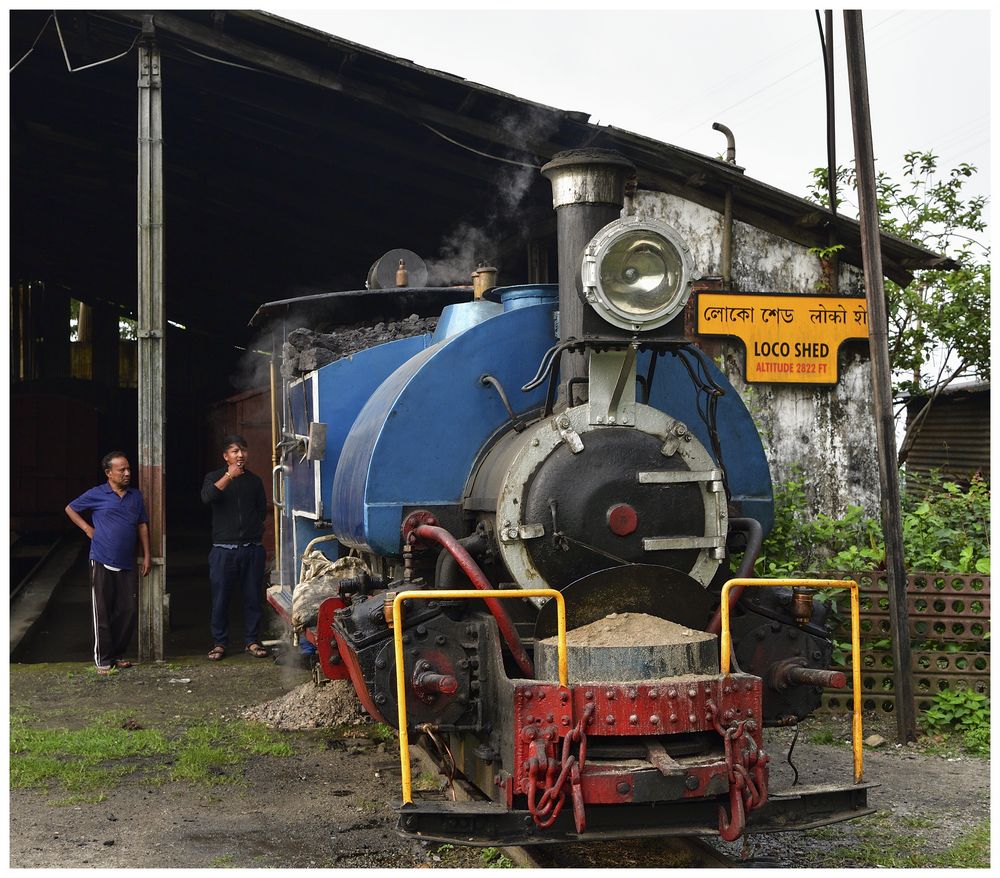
[(449, 595), (725, 643)]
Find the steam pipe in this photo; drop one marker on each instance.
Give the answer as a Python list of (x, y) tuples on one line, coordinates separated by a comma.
[(447, 567), (727, 215), (755, 539), (476, 576)]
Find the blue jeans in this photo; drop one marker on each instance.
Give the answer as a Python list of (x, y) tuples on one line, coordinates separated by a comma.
[(243, 568)]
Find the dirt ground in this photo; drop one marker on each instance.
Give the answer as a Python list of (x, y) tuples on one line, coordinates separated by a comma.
[(331, 803)]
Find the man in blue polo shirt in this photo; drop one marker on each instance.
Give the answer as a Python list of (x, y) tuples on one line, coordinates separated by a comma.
[(118, 515)]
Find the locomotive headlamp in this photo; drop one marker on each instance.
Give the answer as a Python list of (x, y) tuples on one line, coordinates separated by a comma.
[(636, 273)]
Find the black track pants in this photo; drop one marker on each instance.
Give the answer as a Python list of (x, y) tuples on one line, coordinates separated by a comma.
[(114, 598)]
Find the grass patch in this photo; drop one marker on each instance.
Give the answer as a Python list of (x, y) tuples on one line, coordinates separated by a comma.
[(214, 752), (494, 858), (427, 780), (825, 833), (203, 763), (382, 733), (89, 761), (878, 845), (86, 761), (971, 851)]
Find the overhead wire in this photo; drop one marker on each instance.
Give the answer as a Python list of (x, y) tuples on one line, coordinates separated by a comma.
[(755, 63), (35, 43), (73, 69), (479, 152), (780, 79)]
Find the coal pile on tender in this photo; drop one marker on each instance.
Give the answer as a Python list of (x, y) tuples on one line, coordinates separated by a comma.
[(625, 647), (306, 350)]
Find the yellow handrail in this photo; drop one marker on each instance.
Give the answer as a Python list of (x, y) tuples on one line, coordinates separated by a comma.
[(449, 595), (725, 644)]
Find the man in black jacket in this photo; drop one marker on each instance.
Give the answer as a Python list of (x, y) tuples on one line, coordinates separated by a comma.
[(236, 560)]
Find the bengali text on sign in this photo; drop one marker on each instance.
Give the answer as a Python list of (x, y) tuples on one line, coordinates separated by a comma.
[(788, 338)]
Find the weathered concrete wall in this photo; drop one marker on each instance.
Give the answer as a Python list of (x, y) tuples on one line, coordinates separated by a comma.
[(827, 431)]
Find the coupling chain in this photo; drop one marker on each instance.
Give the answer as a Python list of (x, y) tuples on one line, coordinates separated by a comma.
[(551, 774), (746, 766)]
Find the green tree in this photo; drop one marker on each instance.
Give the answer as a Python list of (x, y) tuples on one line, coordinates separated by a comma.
[(939, 323)]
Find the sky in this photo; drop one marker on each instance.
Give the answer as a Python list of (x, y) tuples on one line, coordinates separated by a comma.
[(669, 74)]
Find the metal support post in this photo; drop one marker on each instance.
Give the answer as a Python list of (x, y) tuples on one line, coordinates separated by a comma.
[(864, 161), (831, 147), (151, 339)]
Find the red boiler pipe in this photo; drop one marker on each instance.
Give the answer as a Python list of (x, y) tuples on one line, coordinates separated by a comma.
[(471, 569)]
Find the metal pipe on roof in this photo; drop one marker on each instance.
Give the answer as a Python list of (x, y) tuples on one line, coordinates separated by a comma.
[(832, 266), (726, 268)]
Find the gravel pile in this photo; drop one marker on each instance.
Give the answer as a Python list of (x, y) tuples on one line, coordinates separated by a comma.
[(306, 350), (310, 707)]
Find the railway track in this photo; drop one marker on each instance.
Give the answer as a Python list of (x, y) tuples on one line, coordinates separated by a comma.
[(680, 852)]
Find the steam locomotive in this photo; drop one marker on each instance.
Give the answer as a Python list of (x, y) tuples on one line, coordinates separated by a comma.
[(561, 438)]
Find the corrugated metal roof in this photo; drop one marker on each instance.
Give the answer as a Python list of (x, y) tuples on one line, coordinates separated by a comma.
[(955, 437)]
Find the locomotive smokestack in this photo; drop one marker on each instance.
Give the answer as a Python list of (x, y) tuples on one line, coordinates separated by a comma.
[(588, 190)]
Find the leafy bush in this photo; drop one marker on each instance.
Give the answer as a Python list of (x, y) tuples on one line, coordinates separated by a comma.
[(963, 711), (977, 741), (945, 529)]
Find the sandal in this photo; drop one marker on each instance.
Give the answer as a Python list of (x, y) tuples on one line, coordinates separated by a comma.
[(123, 663), (255, 649), (216, 653)]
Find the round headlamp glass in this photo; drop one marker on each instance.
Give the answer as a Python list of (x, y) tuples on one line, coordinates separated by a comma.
[(636, 273), (640, 272)]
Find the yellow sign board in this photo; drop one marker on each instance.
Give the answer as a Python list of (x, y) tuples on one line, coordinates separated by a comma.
[(788, 338)]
